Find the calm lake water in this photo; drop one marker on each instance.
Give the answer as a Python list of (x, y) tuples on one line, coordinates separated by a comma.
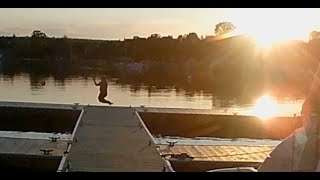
[(24, 88)]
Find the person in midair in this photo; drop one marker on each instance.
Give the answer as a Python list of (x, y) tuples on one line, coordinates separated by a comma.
[(103, 90)]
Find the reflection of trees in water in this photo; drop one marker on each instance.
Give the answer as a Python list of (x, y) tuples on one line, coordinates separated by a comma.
[(59, 83), (7, 73), (189, 95), (8, 78), (86, 80), (153, 81), (136, 82), (123, 86), (149, 88), (36, 81), (134, 88), (39, 74)]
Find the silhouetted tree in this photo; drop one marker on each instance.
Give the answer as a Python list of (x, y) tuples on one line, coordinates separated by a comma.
[(224, 27), (154, 36), (38, 34), (180, 38), (192, 37)]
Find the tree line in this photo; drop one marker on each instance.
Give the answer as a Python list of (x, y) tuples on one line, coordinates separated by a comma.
[(154, 47)]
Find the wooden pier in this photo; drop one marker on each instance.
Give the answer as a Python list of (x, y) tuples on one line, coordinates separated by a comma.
[(116, 139), (112, 139)]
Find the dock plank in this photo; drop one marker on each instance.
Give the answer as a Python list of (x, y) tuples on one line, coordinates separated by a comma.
[(31, 146), (221, 153), (110, 140)]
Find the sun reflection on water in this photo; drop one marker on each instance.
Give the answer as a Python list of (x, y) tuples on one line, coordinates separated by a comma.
[(265, 108)]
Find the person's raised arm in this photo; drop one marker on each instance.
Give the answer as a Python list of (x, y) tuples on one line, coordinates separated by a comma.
[(94, 80)]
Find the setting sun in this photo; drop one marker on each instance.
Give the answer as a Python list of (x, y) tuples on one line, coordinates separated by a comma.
[(265, 107), (269, 26)]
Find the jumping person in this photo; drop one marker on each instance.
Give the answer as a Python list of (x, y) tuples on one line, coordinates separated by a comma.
[(103, 90)]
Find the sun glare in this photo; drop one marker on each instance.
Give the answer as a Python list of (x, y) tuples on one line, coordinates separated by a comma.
[(269, 26), (265, 107)]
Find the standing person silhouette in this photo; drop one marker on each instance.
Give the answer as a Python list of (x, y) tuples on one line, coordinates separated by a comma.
[(103, 90)]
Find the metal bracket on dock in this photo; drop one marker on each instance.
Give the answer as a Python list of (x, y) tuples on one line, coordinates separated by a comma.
[(54, 139), (171, 143), (75, 106), (46, 151), (143, 107)]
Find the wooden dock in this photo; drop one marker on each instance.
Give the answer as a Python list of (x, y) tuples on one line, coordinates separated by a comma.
[(116, 139), (31, 146), (220, 153), (200, 158), (112, 139)]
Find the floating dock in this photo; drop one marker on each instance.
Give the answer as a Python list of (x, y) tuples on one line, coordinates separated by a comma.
[(77, 138), (111, 139)]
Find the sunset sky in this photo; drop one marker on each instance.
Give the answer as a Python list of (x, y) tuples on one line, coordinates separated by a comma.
[(126, 23)]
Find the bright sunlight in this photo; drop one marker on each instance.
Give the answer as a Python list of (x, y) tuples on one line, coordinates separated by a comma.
[(269, 26), (265, 107)]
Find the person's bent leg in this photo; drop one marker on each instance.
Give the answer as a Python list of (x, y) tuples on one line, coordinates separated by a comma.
[(102, 100)]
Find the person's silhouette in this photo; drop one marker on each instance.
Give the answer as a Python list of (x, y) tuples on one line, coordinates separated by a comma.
[(103, 90)]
